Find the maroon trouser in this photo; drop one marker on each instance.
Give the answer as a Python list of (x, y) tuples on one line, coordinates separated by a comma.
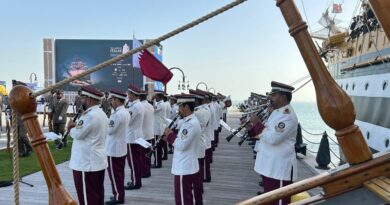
[(116, 172), (270, 184), (145, 163), (89, 187), (198, 183), (183, 189), (164, 146), (216, 137), (134, 161), (207, 162), (158, 153)]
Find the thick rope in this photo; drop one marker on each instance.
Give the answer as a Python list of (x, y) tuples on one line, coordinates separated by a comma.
[(144, 46), (15, 157), (302, 86)]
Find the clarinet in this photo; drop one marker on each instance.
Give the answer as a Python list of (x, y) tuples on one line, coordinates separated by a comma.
[(62, 142), (152, 149), (246, 135), (263, 108)]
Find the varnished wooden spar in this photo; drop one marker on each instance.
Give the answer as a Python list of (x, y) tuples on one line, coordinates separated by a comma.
[(333, 182), (381, 9), (24, 105), (334, 105)]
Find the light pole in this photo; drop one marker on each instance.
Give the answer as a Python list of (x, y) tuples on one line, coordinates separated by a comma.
[(184, 85), (35, 78), (201, 83), (211, 89)]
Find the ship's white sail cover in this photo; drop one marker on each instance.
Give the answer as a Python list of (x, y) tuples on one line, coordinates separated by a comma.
[(329, 25)]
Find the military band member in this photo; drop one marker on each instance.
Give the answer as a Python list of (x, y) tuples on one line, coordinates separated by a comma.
[(202, 113), (172, 115), (228, 103), (116, 148), (77, 102), (217, 117), (185, 161), (105, 105), (59, 113), (159, 115), (50, 100), (88, 157), (148, 133), (167, 115), (209, 133), (276, 161), (134, 150)]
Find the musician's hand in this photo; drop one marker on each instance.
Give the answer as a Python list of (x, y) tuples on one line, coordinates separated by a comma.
[(71, 125), (249, 126), (255, 119), (167, 132)]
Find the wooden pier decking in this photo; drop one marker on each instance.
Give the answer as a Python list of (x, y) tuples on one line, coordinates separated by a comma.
[(233, 179)]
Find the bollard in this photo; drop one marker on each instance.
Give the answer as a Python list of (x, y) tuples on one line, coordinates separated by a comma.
[(300, 147), (323, 155)]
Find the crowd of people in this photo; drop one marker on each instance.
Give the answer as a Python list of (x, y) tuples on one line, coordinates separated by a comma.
[(114, 127), (363, 23)]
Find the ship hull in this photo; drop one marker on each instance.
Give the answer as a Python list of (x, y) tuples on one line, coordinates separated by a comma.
[(369, 90)]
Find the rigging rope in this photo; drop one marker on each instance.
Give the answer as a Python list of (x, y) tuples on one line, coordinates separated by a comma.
[(304, 12), (144, 46), (312, 133), (300, 79), (15, 161), (301, 86)]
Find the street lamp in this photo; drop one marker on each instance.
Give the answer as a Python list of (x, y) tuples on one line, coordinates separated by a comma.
[(182, 84), (35, 78), (201, 83), (211, 89)]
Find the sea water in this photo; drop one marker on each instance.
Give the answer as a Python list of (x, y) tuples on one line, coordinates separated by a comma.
[(313, 128)]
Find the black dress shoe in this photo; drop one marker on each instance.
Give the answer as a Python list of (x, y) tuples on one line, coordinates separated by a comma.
[(155, 166), (165, 158), (131, 186), (207, 180), (146, 176), (113, 202), (170, 152), (259, 192)]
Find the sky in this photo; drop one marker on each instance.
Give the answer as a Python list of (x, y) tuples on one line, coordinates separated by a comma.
[(237, 52)]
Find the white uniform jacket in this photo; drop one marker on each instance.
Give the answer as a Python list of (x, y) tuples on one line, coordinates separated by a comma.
[(223, 108), (148, 123), (168, 109), (117, 131), (218, 113), (136, 110), (276, 155), (174, 111), (203, 117), (89, 135), (159, 115), (213, 117), (185, 160), (209, 129)]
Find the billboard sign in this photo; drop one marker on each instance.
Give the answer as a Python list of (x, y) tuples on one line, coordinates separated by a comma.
[(75, 56)]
